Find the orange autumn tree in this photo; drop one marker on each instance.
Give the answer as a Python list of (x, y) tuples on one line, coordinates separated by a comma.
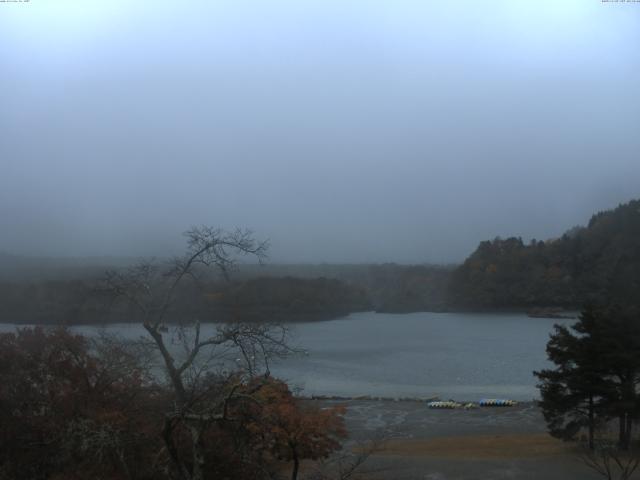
[(290, 429)]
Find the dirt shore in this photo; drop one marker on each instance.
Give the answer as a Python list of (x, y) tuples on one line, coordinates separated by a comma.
[(481, 443)]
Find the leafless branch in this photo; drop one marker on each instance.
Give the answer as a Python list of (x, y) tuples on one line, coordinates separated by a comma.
[(199, 398), (350, 465), (611, 462)]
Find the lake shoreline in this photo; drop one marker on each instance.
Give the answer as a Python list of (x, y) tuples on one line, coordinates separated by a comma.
[(419, 400), (416, 442), (321, 318)]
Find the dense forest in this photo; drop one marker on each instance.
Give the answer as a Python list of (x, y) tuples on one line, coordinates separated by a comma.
[(587, 264), (390, 287), (286, 299), (68, 291), (81, 301)]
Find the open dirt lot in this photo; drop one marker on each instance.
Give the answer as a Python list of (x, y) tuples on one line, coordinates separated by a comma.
[(482, 443)]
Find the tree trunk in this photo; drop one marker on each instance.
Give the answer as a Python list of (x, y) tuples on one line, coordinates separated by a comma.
[(296, 465), (174, 374), (628, 431), (198, 455), (180, 402), (622, 433), (167, 435), (591, 422)]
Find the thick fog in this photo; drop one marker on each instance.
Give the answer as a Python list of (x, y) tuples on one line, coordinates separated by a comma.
[(344, 131)]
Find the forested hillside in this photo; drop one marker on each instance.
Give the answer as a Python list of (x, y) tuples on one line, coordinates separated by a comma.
[(286, 299), (599, 262), (391, 287)]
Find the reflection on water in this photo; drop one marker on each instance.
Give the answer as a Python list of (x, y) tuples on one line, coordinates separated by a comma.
[(452, 355)]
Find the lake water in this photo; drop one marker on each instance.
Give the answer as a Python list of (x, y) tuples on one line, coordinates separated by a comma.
[(464, 356)]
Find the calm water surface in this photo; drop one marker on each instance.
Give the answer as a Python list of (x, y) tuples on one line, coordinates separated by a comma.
[(451, 355)]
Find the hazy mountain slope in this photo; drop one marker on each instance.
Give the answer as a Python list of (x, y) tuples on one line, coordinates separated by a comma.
[(600, 262)]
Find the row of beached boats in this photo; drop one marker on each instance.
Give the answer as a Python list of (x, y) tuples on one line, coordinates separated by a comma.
[(485, 402), (432, 402)]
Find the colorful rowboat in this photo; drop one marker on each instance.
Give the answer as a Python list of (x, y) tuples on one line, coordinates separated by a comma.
[(440, 404), (497, 402)]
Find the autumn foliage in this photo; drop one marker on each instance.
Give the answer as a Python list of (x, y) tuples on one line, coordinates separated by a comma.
[(74, 408), (70, 408), (291, 431)]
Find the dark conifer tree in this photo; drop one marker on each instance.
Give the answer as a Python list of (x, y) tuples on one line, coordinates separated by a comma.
[(596, 376), (573, 392)]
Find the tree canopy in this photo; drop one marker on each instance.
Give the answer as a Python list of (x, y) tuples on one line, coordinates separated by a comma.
[(599, 263)]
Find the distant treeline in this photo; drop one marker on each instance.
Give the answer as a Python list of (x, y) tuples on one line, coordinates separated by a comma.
[(253, 300), (599, 263), (53, 291), (286, 299)]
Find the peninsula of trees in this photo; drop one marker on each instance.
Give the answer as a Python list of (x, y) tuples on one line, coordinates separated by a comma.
[(599, 263)]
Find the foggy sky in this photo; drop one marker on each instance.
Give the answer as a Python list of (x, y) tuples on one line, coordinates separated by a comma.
[(344, 131)]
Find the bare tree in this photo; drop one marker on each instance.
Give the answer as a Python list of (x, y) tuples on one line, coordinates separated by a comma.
[(610, 461), (350, 465), (200, 398)]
